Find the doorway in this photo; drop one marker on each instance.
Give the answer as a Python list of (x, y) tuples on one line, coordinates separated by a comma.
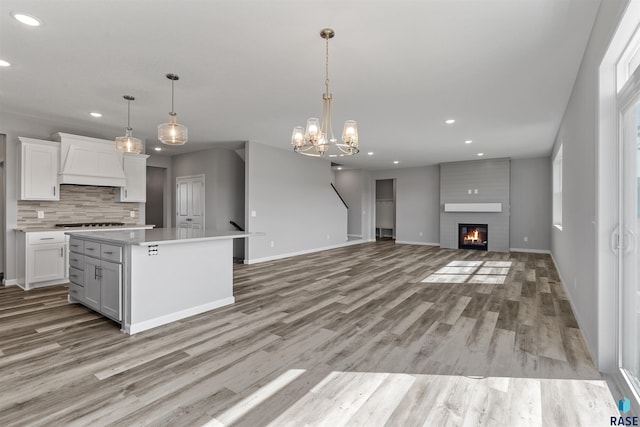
[(190, 197), (154, 209), (385, 209)]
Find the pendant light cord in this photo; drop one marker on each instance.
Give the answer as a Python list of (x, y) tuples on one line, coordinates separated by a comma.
[(128, 114), (172, 81)]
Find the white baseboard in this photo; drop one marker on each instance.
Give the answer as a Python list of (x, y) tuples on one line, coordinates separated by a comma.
[(591, 349), (10, 282), (306, 251), (134, 328), (404, 242), (355, 235), (533, 251)]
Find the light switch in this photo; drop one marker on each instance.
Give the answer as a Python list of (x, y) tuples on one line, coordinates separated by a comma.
[(469, 191), (132, 214), (475, 191), (253, 213)]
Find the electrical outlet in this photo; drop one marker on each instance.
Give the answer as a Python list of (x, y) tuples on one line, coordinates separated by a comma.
[(526, 239), (132, 214), (328, 236), (40, 214), (254, 213), (420, 234), (272, 244)]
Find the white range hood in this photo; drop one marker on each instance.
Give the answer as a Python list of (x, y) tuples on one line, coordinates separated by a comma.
[(89, 161)]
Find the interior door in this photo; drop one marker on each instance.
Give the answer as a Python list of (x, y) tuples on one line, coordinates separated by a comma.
[(190, 197)]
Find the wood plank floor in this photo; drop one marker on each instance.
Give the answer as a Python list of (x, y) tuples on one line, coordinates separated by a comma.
[(351, 336)]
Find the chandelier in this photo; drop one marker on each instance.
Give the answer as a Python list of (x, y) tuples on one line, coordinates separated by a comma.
[(172, 133), (317, 139), (128, 143)]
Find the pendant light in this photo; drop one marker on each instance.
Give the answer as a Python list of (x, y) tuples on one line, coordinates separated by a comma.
[(128, 143), (172, 133), (317, 139)]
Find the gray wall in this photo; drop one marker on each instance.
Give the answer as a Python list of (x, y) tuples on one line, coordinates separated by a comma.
[(154, 209), (224, 173), (294, 204), (417, 201), (350, 185), (530, 204), (492, 180), (164, 162), (575, 247)]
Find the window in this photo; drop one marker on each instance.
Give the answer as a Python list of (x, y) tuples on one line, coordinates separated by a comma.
[(557, 189), (629, 60)]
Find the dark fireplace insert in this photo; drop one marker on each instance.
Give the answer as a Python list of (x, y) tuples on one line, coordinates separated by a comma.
[(473, 236)]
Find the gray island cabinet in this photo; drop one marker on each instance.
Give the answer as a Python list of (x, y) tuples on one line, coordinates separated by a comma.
[(147, 278)]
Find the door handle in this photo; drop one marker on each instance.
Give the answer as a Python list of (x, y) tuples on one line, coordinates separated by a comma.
[(628, 240), (54, 190), (189, 219), (125, 194), (61, 252), (614, 240)]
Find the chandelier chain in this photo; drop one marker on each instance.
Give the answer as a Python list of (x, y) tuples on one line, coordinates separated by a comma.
[(326, 71)]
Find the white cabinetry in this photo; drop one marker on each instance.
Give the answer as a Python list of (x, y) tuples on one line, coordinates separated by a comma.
[(38, 169), (135, 170), (42, 259), (95, 273)]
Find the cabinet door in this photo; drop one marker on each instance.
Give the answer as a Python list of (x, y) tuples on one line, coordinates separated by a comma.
[(135, 169), (92, 282), (39, 170), (46, 262), (111, 290)]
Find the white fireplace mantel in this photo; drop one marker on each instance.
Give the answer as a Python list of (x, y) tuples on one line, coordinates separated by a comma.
[(473, 207)]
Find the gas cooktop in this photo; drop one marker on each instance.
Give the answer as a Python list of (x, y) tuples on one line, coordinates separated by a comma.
[(90, 224)]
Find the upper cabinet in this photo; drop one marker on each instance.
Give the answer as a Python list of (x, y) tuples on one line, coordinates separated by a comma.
[(38, 169), (135, 170)]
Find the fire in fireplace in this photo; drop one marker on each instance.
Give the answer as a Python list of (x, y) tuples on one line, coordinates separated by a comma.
[(473, 236)]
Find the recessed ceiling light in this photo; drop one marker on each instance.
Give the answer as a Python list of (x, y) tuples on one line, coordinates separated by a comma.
[(95, 114), (480, 154), (450, 121), (158, 149), (395, 162), (27, 19), (339, 168), (4, 63), (370, 153), (468, 141)]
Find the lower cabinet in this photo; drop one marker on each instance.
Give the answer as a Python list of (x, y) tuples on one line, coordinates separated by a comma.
[(42, 258), (102, 286), (96, 279)]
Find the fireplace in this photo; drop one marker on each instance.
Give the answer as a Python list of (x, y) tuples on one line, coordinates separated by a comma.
[(473, 236)]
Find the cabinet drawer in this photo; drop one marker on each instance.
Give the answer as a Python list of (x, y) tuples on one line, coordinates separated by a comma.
[(111, 253), (45, 237), (76, 245), (76, 261), (92, 249), (76, 291), (76, 276)]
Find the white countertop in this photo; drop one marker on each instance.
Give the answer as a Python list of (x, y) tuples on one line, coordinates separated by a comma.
[(84, 229), (158, 236)]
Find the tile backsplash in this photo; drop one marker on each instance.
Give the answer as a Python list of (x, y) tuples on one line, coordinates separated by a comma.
[(78, 203)]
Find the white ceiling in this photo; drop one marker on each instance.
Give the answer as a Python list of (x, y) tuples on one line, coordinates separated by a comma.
[(251, 70)]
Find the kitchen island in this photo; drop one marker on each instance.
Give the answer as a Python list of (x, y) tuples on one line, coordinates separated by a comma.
[(147, 278)]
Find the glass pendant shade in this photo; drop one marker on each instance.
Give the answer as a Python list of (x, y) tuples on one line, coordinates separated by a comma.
[(297, 137), (172, 133), (350, 133), (128, 143), (312, 133)]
